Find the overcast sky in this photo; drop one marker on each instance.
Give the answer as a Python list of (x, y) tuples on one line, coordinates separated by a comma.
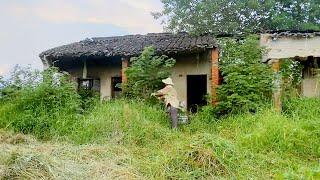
[(29, 27)]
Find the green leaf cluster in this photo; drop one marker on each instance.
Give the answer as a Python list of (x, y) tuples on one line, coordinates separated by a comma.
[(291, 78), (234, 16), (40, 107), (247, 83), (146, 72)]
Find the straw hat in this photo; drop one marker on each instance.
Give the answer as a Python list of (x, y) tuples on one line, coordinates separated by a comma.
[(168, 81)]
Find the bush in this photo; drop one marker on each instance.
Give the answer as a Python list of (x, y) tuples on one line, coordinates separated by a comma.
[(89, 99), (51, 105), (247, 83), (20, 77), (291, 78), (146, 72)]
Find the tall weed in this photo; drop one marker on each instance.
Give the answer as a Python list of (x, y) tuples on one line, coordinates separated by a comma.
[(51, 105)]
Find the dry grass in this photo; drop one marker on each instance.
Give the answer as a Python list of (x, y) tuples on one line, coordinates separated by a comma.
[(22, 157)]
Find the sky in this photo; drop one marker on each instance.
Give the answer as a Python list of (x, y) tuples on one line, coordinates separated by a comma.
[(29, 27)]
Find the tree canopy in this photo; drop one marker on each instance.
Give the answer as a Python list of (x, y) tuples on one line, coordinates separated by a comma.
[(239, 16)]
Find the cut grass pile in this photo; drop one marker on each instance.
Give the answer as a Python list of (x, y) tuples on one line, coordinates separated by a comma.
[(131, 140), (22, 157)]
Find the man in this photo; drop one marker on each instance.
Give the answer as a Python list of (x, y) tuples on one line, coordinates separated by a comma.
[(170, 97)]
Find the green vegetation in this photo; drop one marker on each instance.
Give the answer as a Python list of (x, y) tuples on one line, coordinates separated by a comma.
[(245, 16), (146, 72), (50, 131), (247, 83), (39, 108), (133, 140), (291, 78)]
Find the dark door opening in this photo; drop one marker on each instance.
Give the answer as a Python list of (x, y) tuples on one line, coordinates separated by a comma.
[(115, 87), (196, 91)]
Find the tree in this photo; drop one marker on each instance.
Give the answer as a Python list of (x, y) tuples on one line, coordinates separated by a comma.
[(235, 16), (247, 83), (2, 82), (146, 72)]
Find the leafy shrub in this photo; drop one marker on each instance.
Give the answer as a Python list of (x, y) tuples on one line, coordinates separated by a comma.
[(51, 105), (146, 72), (20, 77), (247, 83), (291, 78), (89, 98), (2, 82)]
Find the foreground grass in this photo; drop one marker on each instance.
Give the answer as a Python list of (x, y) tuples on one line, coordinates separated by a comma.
[(22, 157), (131, 140)]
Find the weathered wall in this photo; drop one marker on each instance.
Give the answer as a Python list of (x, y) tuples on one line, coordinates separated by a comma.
[(104, 73), (310, 87), (290, 47), (294, 46), (198, 64)]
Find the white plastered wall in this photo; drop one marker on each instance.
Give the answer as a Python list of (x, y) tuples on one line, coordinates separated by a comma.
[(198, 64), (291, 47), (104, 73), (311, 87), (310, 83)]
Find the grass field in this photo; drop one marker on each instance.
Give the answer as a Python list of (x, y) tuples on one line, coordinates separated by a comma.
[(131, 140)]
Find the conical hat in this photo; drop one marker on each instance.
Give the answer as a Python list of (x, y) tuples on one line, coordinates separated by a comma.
[(168, 81)]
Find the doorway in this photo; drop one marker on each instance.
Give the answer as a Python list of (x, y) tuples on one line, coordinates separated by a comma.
[(196, 91), (115, 87)]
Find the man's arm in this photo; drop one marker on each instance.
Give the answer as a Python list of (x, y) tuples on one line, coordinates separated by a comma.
[(162, 92)]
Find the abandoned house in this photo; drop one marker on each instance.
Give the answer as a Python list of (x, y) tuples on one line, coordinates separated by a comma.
[(303, 47), (99, 63)]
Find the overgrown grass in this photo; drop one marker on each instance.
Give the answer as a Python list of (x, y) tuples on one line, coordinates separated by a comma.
[(259, 146)]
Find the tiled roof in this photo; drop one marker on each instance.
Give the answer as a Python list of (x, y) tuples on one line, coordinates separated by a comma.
[(132, 45)]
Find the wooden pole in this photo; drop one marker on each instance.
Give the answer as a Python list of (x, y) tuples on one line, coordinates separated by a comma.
[(214, 74)]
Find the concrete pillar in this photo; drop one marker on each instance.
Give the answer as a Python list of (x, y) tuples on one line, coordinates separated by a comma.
[(125, 65), (214, 74), (277, 84)]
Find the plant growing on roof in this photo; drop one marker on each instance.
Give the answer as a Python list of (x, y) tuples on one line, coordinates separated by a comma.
[(146, 72)]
